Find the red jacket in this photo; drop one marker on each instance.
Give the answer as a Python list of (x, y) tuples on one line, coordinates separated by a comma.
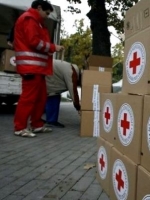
[(32, 44)]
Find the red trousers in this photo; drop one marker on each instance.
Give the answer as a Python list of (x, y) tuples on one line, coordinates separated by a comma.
[(31, 103)]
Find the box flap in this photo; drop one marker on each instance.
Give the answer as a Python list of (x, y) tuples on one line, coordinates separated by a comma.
[(100, 61)]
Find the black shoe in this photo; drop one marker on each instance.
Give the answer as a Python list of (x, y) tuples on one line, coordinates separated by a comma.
[(57, 124)]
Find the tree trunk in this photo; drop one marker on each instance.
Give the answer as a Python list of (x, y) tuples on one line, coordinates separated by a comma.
[(100, 35)]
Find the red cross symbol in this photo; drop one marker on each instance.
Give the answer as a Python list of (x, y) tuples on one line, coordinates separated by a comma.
[(107, 115), (14, 59), (102, 162), (135, 62), (119, 180), (125, 124)]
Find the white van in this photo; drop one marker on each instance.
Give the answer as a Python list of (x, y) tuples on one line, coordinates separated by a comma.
[(10, 10)]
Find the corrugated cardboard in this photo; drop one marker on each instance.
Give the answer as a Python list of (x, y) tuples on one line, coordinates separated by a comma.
[(136, 70), (129, 125), (103, 164), (137, 18), (90, 99), (143, 184), (145, 156), (90, 124), (96, 78), (123, 177), (100, 61), (7, 62), (108, 122)]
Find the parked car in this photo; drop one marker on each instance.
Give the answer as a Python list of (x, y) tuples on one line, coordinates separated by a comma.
[(117, 86)]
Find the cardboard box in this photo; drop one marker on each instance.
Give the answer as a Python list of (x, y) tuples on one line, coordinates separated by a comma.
[(136, 70), (90, 96), (137, 18), (103, 63), (103, 164), (7, 62), (96, 78), (123, 177), (145, 156), (129, 125), (90, 124), (143, 184), (108, 116)]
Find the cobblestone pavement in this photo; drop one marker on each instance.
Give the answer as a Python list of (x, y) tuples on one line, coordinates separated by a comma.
[(50, 166)]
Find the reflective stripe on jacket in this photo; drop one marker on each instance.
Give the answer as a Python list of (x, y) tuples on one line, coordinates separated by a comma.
[(32, 44)]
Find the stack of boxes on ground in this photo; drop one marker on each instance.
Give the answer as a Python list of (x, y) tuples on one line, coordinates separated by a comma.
[(96, 80), (123, 159)]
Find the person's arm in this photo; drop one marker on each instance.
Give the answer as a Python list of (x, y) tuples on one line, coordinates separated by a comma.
[(71, 83), (33, 38)]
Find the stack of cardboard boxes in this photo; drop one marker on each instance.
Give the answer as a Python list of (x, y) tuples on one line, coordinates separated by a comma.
[(96, 80), (123, 159)]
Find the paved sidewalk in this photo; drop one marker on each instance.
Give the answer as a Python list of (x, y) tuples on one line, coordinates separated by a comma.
[(50, 166)]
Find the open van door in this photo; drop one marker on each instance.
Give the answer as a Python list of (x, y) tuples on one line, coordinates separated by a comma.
[(10, 10)]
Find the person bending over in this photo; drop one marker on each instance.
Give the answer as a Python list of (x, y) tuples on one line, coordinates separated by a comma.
[(66, 77)]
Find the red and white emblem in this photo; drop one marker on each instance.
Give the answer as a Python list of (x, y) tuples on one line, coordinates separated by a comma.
[(102, 162), (135, 62), (13, 61), (147, 197), (125, 124), (120, 180), (108, 115)]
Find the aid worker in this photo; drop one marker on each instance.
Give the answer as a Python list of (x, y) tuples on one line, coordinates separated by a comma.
[(34, 52)]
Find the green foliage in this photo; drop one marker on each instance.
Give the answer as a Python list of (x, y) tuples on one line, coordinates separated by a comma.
[(78, 46), (118, 56), (115, 10)]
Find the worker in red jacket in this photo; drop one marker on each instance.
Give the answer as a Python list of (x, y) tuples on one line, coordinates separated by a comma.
[(33, 61)]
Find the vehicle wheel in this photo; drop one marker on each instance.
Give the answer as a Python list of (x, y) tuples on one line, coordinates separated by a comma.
[(11, 100), (1, 101)]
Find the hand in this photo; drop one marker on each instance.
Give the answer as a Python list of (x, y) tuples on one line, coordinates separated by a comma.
[(59, 48), (79, 112), (10, 44)]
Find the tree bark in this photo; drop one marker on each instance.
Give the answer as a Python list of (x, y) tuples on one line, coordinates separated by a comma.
[(100, 34)]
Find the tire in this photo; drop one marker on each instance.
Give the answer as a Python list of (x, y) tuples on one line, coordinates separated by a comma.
[(11, 100)]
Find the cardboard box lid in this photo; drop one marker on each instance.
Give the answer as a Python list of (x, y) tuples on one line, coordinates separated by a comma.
[(96, 77), (100, 61)]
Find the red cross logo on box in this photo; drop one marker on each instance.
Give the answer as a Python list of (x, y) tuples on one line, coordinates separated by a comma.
[(108, 115), (120, 180), (13, 61), (135, 62), (125, 124), (102, 162)]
